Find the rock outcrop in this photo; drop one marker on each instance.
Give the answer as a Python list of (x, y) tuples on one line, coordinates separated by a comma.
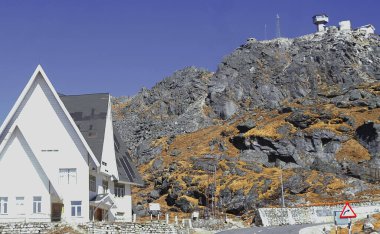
[(306, 108)]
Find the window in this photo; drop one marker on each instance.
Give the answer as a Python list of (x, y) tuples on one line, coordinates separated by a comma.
[(119, 190), (37, 201), (76, 208), (20, 205), (105, 186), (92, 183), (67, 175), (119, 213), (3, 205), (92, 134)]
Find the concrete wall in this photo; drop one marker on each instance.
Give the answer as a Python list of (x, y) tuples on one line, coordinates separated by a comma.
[(313, 214)]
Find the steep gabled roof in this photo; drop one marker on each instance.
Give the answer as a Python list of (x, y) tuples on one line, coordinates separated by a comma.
[(89, 112), (125, 166), (39, 72)]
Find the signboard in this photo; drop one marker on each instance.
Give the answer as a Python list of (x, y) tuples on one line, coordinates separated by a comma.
[(347, 212), (338, 221), (195, 215), (154, 207)]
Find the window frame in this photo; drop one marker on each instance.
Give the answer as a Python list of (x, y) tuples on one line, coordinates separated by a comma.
[(20, 205), (119, 190), (92, 183), (68, 176), (37, 204), (105, 186), (4, 206), (76, 209)]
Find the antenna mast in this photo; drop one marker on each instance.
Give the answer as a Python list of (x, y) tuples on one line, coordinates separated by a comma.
[(278, 31), (265, 32)]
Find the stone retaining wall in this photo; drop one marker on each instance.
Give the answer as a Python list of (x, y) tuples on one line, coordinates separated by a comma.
[(128, 228), (26, 228), (94, 228), (312, 214)]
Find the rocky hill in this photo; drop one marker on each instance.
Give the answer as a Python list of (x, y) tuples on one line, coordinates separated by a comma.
[(307, 108)]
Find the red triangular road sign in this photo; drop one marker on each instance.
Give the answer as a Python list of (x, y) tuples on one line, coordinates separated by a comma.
[(347, 212)]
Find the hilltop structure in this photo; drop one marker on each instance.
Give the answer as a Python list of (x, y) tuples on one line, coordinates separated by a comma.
[(62, 159), (320, 20)]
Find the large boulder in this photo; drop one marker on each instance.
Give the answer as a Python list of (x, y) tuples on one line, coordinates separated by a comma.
[(368, 135)]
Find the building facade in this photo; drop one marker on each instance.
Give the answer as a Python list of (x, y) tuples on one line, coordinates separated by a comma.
[(62, 160)]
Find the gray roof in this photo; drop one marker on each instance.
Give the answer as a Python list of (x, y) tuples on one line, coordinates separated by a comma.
[(89, 112), (126, 168)]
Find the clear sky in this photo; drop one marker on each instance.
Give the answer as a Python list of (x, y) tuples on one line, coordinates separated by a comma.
[(121, 46)]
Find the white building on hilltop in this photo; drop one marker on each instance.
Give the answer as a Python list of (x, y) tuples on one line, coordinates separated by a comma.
[(62, 159)]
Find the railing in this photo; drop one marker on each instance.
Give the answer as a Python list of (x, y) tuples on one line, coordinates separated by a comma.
[(374, 173)]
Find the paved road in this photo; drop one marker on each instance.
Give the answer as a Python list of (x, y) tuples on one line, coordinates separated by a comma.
[(290, 229)]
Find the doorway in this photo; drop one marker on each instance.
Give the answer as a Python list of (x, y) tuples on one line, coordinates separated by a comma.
[(56, 212)]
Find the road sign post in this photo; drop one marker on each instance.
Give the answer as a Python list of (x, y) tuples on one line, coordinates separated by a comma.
[(348, 213)]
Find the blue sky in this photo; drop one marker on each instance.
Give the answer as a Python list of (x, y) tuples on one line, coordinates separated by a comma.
[(122, 46)]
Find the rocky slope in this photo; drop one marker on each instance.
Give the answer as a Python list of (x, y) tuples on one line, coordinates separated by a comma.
[(307, 108)]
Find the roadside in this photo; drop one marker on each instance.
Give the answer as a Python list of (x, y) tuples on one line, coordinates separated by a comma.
[(288, 229)]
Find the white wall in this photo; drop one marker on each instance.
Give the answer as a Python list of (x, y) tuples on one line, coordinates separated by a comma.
[(345, 25), (123, 204), (46, 127), (108, 154), (313, 214), (22, 176)]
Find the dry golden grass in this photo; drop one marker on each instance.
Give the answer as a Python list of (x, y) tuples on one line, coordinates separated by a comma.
[(321, 125), (376, 224), (196, 144), (353, 151), (268, 127), (64, 230)]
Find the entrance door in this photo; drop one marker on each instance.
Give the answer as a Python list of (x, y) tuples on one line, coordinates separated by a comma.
[(98, 215), (56, 212)]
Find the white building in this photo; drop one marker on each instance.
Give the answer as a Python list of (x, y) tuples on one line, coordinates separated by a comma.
[(345, 25), (62, 159), (320, 21), (367, 29)]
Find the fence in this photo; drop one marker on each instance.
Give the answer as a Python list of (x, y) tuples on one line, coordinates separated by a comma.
[(374, 173), (312, 214)]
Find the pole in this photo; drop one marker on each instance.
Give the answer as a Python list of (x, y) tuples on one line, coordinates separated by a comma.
[(215, 191), (265, 32), (282, 189), (349, 227)]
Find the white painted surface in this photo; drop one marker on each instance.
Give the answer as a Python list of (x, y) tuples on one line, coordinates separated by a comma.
[(22, 176), (316, 214), (367, 29), (108, 154), (123, 205), (345, 25)]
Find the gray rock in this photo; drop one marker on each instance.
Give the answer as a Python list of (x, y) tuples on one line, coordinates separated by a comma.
[(175, 152), (246, 126), (300, 120), (343, 129), (184, 205), (296, 184), (157, 164), (154, 194), (368, 135), (367, 226)]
